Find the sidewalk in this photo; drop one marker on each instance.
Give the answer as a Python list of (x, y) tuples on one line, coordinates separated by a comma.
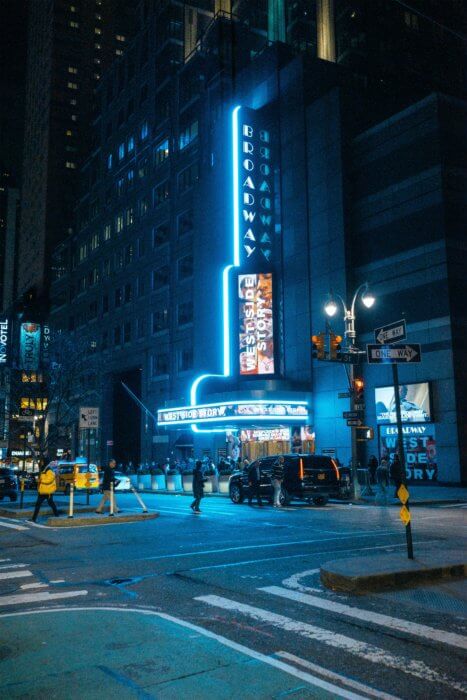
[(419, 495)]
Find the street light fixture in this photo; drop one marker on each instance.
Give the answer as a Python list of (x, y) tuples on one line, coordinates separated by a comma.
[(331, 308)]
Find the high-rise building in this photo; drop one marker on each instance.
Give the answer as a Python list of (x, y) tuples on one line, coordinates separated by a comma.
[(207, 318), (9, 218), (70, 45)]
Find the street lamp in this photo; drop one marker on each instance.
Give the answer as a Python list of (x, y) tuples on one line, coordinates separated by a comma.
[(331, 308)]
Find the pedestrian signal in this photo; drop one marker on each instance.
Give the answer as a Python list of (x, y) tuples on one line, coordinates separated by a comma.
[(318, 346), (358, 389)]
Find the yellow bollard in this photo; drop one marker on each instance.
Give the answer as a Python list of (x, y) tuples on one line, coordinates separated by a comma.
[(21, 486), (111, 514), (70, 508)]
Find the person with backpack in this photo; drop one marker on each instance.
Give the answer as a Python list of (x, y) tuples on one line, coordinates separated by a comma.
[(46, 487), (198, 486)]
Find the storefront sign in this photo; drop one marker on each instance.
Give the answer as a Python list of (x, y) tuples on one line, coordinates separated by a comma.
[(256, 339), (228, 413), (419, 446), (3, 340), (415, 403), (29, 349), (265, 434)]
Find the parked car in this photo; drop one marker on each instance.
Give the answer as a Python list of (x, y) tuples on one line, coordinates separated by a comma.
[(314, 478), (8, 484), (78, 473)]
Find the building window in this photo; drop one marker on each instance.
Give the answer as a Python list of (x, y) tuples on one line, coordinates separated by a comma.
[(128, 254), (131, 144), (94, 241), (70, 165), (188, 134), (73, 24), (140, 327), (121, 151), (161, 193), (118, 52), (144, 131), (117, 335), (119, 260), (160, 235), (93, 276), (127, 293), (127, 332), (185, 360), (140, 286), (185, 267), (161, 152), (106, 268), (119, 222), (107, 232), (97, 30), (130, 176), (185, 223), (160, 277), (130, 216), (120, 37), (72, 86), (120, 186), (187, 178), (109, 161), (185, 313), (73, 70), (143, 168), (143, 206), (105, 304), (118, 297), (159, 364), (83, 252), (141, 247), (160, 320)]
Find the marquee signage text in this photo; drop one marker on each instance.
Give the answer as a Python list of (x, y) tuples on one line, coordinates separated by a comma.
[(277, 411)]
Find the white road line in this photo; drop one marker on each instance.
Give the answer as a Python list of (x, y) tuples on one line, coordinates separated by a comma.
[(394, 623), (26, 586), (12, 566), (264, 545), (252, 653), (353, 646), (185, 510), (37, 597), (58, 580), (11, 526), (361, 687), (14, 574), (293, 581), (454, 505)]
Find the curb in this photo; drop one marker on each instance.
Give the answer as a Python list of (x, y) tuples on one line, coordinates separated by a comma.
[(25, 514), (407, 574), (116, 520)]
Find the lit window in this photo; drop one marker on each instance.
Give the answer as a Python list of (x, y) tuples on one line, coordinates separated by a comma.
[(97, 30), (119, 223), (121, 151), (130, 216), (94, 241), (83, 252), (109, 161), (72, 69), (161, 193), (97, 76), (98, 17), (162, 151), (72, 86), (144, 131), (72, 8), (131, 144), (107, 232), (130, 176), (75, 25), (70, 165), (69, 132), (118, 52), (98, 46), (97, 61), (73, 101), (74, 118), (188, 134), (120, 37)]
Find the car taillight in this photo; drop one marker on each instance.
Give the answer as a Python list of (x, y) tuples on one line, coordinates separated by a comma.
[(301, 472), (336, 469)]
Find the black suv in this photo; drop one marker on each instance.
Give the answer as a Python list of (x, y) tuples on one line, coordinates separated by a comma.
[(314, 478), (8, 484)]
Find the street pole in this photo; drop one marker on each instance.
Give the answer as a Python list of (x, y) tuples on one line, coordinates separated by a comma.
[(350, 335), (88, 434), (401, 452)]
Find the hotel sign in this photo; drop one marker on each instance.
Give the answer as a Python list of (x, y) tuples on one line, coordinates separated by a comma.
[(29, 349), (3, 340), (234, 412)]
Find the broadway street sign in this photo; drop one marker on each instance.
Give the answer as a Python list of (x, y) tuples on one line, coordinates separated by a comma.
[(394, 354), (391, 333)]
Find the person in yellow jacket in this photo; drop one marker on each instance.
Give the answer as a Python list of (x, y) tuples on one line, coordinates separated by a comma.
[(46, 487)]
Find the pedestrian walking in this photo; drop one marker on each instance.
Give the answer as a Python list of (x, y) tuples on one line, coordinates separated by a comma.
[(198, 486), (109, 478), (46, 487), (277, 479), (382, 477), (254, 481), (397, 473), (372, 467)]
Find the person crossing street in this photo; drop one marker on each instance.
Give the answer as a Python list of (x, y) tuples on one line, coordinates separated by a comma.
[(109, 478), (198, 486), (277, 479), (46, 488)]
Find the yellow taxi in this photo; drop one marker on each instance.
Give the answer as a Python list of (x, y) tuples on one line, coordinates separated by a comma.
[(79, 473)]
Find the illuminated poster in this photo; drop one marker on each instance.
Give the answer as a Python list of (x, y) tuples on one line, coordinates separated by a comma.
[(419, 447), (256, 340), (29, 349), (415, 403), (3, 340)]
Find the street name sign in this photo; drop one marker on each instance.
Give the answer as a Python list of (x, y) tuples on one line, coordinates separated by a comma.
[(391, 333), (89, 417), (394, 354), (359, 406), (351, 414), (355, 423)]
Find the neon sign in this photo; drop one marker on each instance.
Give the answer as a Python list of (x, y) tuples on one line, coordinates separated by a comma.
[(256, 338), (3, 340), (265, 434), (234, 412)]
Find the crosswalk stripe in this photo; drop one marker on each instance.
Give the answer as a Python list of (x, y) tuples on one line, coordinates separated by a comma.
[(356, 647), (37, 597), (14, 574), (419, 630), (12, 566), (11, 526), (27, 586), (361, 687)]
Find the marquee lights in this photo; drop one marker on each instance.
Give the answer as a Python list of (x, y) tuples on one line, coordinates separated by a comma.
[(234, 412)]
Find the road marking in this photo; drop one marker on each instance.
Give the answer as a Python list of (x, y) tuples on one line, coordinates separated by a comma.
[(252, 653), (370, 652), (13, 566), (26, 586), (264, 545), (361, 687), (37, 597), (454, 505), (11, 526), (185, 511), (293, 581), (58, 580), (394, 623), (14, 574)]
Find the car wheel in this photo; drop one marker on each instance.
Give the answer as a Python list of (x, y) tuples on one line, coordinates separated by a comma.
[(320, 500), (236, 493), (284, 497)]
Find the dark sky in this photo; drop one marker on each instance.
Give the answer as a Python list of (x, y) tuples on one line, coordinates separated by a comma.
[(13, 32)]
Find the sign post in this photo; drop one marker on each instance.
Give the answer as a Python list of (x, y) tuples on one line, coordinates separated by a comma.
[(405, 511)]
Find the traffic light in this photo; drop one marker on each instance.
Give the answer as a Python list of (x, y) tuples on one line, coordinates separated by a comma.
[(358, 389), (318, 346), (335, 346)]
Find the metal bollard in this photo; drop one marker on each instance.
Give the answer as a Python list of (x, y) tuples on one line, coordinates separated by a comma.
[(72, 497), (140, 500), (111, 514), (21, 497)]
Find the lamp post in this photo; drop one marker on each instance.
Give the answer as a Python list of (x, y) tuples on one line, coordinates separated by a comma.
[(331, 307)]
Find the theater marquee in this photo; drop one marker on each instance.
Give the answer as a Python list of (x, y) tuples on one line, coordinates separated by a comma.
[(256, 336), (235, 412)]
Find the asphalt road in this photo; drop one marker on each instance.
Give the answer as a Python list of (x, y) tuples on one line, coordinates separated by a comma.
[(227, 604)]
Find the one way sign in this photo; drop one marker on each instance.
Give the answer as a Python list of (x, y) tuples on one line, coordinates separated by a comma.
[(394, 354), (391, 333)]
